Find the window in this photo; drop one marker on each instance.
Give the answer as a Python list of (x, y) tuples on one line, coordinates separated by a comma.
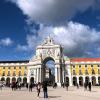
[(8, 73), (25, 74), (98, 65), (14, 74), (14, 67), (3, 74), (74, 72), (86, 72), (91, 65), (98, 71), (3, 67), (93, 72), (80, 72), (85, 65), (8, 67), (73, 66), (19, 73), (19, 67), (79, 66)]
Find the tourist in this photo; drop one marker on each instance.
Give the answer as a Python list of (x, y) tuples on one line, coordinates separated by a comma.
[(45, 90), (67, 85), (30, 87), (89, 86), (38, 88), (77, 86)]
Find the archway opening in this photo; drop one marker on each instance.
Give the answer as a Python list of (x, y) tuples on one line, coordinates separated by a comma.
[(13, 79), (67, 80), (8, 81), (93, 81), (87, 80), (74, 81), (24, 80), (19, 79), (49, 70), (99, 80), (2, 79), (32, 80), (81, 81)]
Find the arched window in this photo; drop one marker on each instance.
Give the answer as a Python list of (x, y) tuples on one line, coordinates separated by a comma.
[(93, 72), (74, 72)]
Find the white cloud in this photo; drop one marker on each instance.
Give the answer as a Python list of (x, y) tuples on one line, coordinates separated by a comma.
[(6, 41), (52, 11), (77, 39)]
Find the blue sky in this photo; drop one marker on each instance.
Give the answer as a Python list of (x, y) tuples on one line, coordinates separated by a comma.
[(25, 23)]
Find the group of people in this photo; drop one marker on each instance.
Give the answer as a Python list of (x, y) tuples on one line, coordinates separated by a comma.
[(87, 85)]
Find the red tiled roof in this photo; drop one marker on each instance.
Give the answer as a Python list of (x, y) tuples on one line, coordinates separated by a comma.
[(84, 59)]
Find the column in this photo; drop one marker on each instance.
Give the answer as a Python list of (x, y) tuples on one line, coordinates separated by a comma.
[(97, 80), (90, 79), (56, 74), (28, 76), (78, 79), (83, 79), (37, 75), (69, 74), (40, 75)]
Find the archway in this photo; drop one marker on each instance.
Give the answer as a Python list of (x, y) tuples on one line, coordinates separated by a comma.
[(67, 80), (81, 81), (8, 81), (87, 80), (24, 80), (99, 80), (19, 79), (32, 80), (48, 71), (74, 81), (2, 79), (13, 79), (93, 80)]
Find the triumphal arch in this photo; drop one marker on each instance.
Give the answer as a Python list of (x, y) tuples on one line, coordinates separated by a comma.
[(37, 70)]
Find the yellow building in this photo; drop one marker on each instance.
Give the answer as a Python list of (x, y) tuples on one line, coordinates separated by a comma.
[(84, 70), (13, 71)]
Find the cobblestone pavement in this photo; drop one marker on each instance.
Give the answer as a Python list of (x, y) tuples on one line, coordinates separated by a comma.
[(54, 94)]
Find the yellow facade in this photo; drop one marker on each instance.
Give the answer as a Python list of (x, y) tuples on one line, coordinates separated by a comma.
[(85, 67), (12, 69)]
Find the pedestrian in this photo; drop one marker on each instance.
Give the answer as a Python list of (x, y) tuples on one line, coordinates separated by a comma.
[(45, 90), (77, 86), (38, 89), (89, 86), (67, 85), (30, 87)]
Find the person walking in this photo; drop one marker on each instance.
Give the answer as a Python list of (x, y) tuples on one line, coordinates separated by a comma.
[(38, 89), (30, 87), (89, 86), (45, 90), (67, 85)]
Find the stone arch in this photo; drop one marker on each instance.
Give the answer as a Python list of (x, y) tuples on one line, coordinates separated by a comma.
[(93, 80), (32, 80), (51, 77), (99, 80), (87, 79), (24, 80), (8, 81), (81, 81), (74, 81), (67, 80), (19, 79), (13, 79), (3, 79)]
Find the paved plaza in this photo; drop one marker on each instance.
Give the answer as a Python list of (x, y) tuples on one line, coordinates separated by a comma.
[(54, 94)]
